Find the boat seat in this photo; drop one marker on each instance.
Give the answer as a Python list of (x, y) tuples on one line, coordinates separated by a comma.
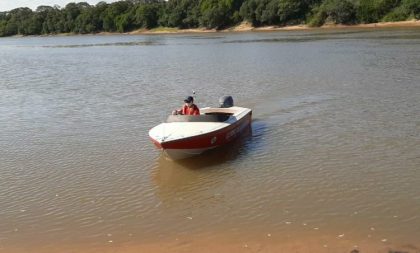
[(221, 116), (208, 117)]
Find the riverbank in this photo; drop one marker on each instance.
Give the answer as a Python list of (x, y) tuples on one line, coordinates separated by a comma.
[(271, 243), (247, 27), (223, 243)]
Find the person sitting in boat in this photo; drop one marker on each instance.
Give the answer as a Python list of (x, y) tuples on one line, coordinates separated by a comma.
[(189, 108)]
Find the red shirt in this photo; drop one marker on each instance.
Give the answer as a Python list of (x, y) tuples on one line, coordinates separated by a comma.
[(193, 110)]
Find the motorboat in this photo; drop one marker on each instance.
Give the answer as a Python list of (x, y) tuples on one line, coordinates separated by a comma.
[(183, 136)]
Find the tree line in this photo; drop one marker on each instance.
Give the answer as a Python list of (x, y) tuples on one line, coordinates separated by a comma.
[(128, 15)]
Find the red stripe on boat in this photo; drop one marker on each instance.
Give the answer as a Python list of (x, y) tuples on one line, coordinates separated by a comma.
[(208, 140)]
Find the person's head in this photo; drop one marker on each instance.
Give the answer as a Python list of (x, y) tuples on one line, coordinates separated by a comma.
[(189, 100)]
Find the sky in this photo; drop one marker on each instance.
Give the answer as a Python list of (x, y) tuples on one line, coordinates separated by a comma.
[(7, 5)]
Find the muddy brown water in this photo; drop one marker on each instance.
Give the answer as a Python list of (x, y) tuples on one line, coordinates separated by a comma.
[(331, 161)]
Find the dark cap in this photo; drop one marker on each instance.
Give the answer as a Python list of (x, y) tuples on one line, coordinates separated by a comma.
[(188, 99)]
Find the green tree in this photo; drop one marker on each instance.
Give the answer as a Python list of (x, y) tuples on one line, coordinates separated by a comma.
[(247, 11), (147, 15), (341, 11), (290, 10), (18, 21), (412, 7), (267, 12), (370, 11), (181, 14), (42, 12), (3, 24), (54, 22), (87, 21), (122, 22), (113, 15), (336, 11), (216, 13), (126, 15), (70, 13)]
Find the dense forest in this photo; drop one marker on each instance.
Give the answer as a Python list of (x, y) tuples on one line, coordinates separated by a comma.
[(128, 15)]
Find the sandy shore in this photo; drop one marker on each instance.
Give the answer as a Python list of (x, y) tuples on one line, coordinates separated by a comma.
[(411, 23), (244, 27), (247, 27), (225, 243), (269, 245), (204, 246)]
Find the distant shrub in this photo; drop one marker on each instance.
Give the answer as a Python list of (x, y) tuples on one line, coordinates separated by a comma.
[(367, 12), (341, 12), (412, 7), (371, 11), (146, 16), (408, 9), (318, 17), (289, 10), (3, 24), (398, 14), (336, 11), (236, 19)]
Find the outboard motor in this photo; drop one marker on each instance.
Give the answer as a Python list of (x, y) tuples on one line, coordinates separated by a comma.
[(226, 102)]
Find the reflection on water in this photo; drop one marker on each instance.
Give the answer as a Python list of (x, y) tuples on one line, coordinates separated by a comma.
[(285, 40), (234, 150), (329, 36), (132, 43), (178, 174)]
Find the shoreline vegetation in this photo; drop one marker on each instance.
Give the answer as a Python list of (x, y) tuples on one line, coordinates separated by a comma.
[(243, 27), (192, 16)]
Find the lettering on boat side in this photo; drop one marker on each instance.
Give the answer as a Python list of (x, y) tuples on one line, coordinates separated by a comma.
[(233, 133), (213, 140)]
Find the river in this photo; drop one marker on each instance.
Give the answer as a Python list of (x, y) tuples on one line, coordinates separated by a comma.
[(331, 163)]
